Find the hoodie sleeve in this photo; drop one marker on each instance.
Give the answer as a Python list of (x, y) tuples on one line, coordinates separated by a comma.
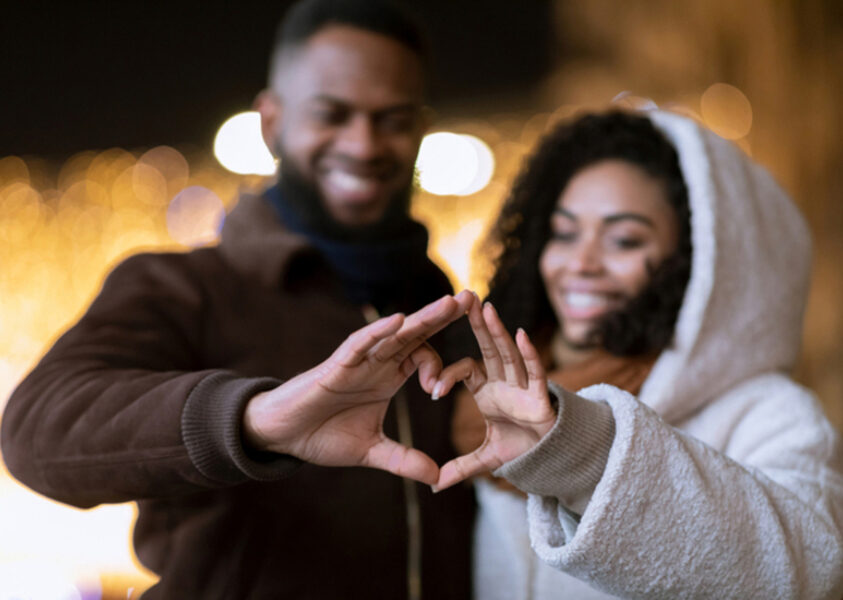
[(671, 517), (120, 408)]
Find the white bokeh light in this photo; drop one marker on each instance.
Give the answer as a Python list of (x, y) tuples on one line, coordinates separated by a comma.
[(485, 166), (239, 146), (32, 580), (454, 164)]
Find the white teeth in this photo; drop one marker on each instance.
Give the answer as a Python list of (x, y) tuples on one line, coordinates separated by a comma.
[(352, 183), (585, 300)]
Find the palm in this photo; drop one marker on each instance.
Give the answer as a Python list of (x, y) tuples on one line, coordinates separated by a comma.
[(510, 389), (333, 414), (510, 412), (348, 421)]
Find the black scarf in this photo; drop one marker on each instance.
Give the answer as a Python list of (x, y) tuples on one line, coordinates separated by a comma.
[(390, 271)]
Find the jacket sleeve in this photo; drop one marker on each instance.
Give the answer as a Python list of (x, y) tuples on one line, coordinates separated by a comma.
[(672, 517), (122, 408)]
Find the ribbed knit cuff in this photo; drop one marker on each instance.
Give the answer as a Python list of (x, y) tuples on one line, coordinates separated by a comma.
[(211, 424), (569, 460)]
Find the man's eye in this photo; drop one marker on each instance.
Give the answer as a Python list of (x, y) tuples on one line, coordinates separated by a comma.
[(396, 123), (329, 116)]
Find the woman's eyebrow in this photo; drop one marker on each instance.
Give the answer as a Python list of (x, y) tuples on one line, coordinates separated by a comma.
[(609, 220), (629, 217), (561, 211)]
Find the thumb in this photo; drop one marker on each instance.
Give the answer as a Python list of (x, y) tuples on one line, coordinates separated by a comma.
[(463, 467), (400, 460)]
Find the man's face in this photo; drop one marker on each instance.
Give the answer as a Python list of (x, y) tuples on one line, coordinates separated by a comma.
[(346, 114)]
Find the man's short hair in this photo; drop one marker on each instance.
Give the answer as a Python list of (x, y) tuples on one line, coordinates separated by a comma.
[(307, 17)]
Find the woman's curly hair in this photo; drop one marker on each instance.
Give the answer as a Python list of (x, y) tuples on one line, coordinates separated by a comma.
[(521, 232)]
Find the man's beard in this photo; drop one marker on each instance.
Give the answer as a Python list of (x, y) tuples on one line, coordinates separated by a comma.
[(304, 197)]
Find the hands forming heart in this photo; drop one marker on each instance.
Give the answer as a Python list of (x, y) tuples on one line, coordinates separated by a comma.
[(333, 414)]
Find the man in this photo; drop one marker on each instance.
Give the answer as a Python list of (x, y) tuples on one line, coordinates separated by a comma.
[(208, 386)]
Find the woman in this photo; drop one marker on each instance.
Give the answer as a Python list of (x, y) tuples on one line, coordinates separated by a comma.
[(663, 275)]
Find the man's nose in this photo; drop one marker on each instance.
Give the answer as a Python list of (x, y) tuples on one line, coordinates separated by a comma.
[(359, 138)]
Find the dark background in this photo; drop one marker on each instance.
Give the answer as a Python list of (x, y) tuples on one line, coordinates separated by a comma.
[(84, 75)]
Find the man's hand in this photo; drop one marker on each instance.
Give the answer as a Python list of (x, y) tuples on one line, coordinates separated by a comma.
[(510, 388), (332, 415)]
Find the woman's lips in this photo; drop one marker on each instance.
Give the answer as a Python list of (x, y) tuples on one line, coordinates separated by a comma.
[(586, 305)]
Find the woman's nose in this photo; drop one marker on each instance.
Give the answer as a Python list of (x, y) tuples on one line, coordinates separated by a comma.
[(586, 258)]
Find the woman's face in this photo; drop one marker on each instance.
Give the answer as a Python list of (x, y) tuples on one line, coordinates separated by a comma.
[(611, 227)]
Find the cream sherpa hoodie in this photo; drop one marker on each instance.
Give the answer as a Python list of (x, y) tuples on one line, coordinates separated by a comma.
[(723, 479)]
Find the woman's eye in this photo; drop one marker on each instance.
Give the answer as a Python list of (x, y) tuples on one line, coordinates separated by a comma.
[(563, 236), (627, 243)]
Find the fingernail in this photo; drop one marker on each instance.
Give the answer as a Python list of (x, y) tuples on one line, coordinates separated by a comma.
[(434, 488), (437, 390)]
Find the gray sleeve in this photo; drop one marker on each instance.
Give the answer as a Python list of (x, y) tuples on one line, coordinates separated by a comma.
[(569, 460), (211, 430)]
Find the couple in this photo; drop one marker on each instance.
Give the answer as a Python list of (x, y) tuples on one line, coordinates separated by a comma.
[(631, 381), (656, 277)]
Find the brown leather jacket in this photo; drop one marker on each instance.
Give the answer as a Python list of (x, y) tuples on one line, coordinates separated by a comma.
[(141, 400)]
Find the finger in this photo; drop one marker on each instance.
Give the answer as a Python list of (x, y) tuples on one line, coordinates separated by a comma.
[(463, 467), (400, 460), (513, 364), (466, 369), (429, 364), (536, 376), (356, 346), (417, 327), (465, 299), (488, 349)]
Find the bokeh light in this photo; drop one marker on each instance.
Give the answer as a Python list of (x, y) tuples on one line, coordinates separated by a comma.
[(171, 164), (195, 216), (63, 226), (32, 580), (726, 111), (454, 164), (13, 170), (485, 166), (239, 146)]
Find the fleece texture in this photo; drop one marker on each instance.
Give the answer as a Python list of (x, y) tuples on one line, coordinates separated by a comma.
[(723, 478)]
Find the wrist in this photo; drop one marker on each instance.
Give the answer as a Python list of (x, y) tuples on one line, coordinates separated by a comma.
[(543, 428), (273, 421), (543, 422)]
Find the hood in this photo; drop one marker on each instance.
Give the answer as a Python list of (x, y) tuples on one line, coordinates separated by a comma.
[(750, 271)]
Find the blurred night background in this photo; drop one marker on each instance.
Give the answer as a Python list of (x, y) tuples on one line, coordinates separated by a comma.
[(109, 145)]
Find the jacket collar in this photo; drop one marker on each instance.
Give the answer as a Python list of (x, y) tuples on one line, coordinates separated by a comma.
[(256, 244)]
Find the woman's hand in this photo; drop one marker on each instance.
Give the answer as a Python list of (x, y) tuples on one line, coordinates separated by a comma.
[(510, 388)]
